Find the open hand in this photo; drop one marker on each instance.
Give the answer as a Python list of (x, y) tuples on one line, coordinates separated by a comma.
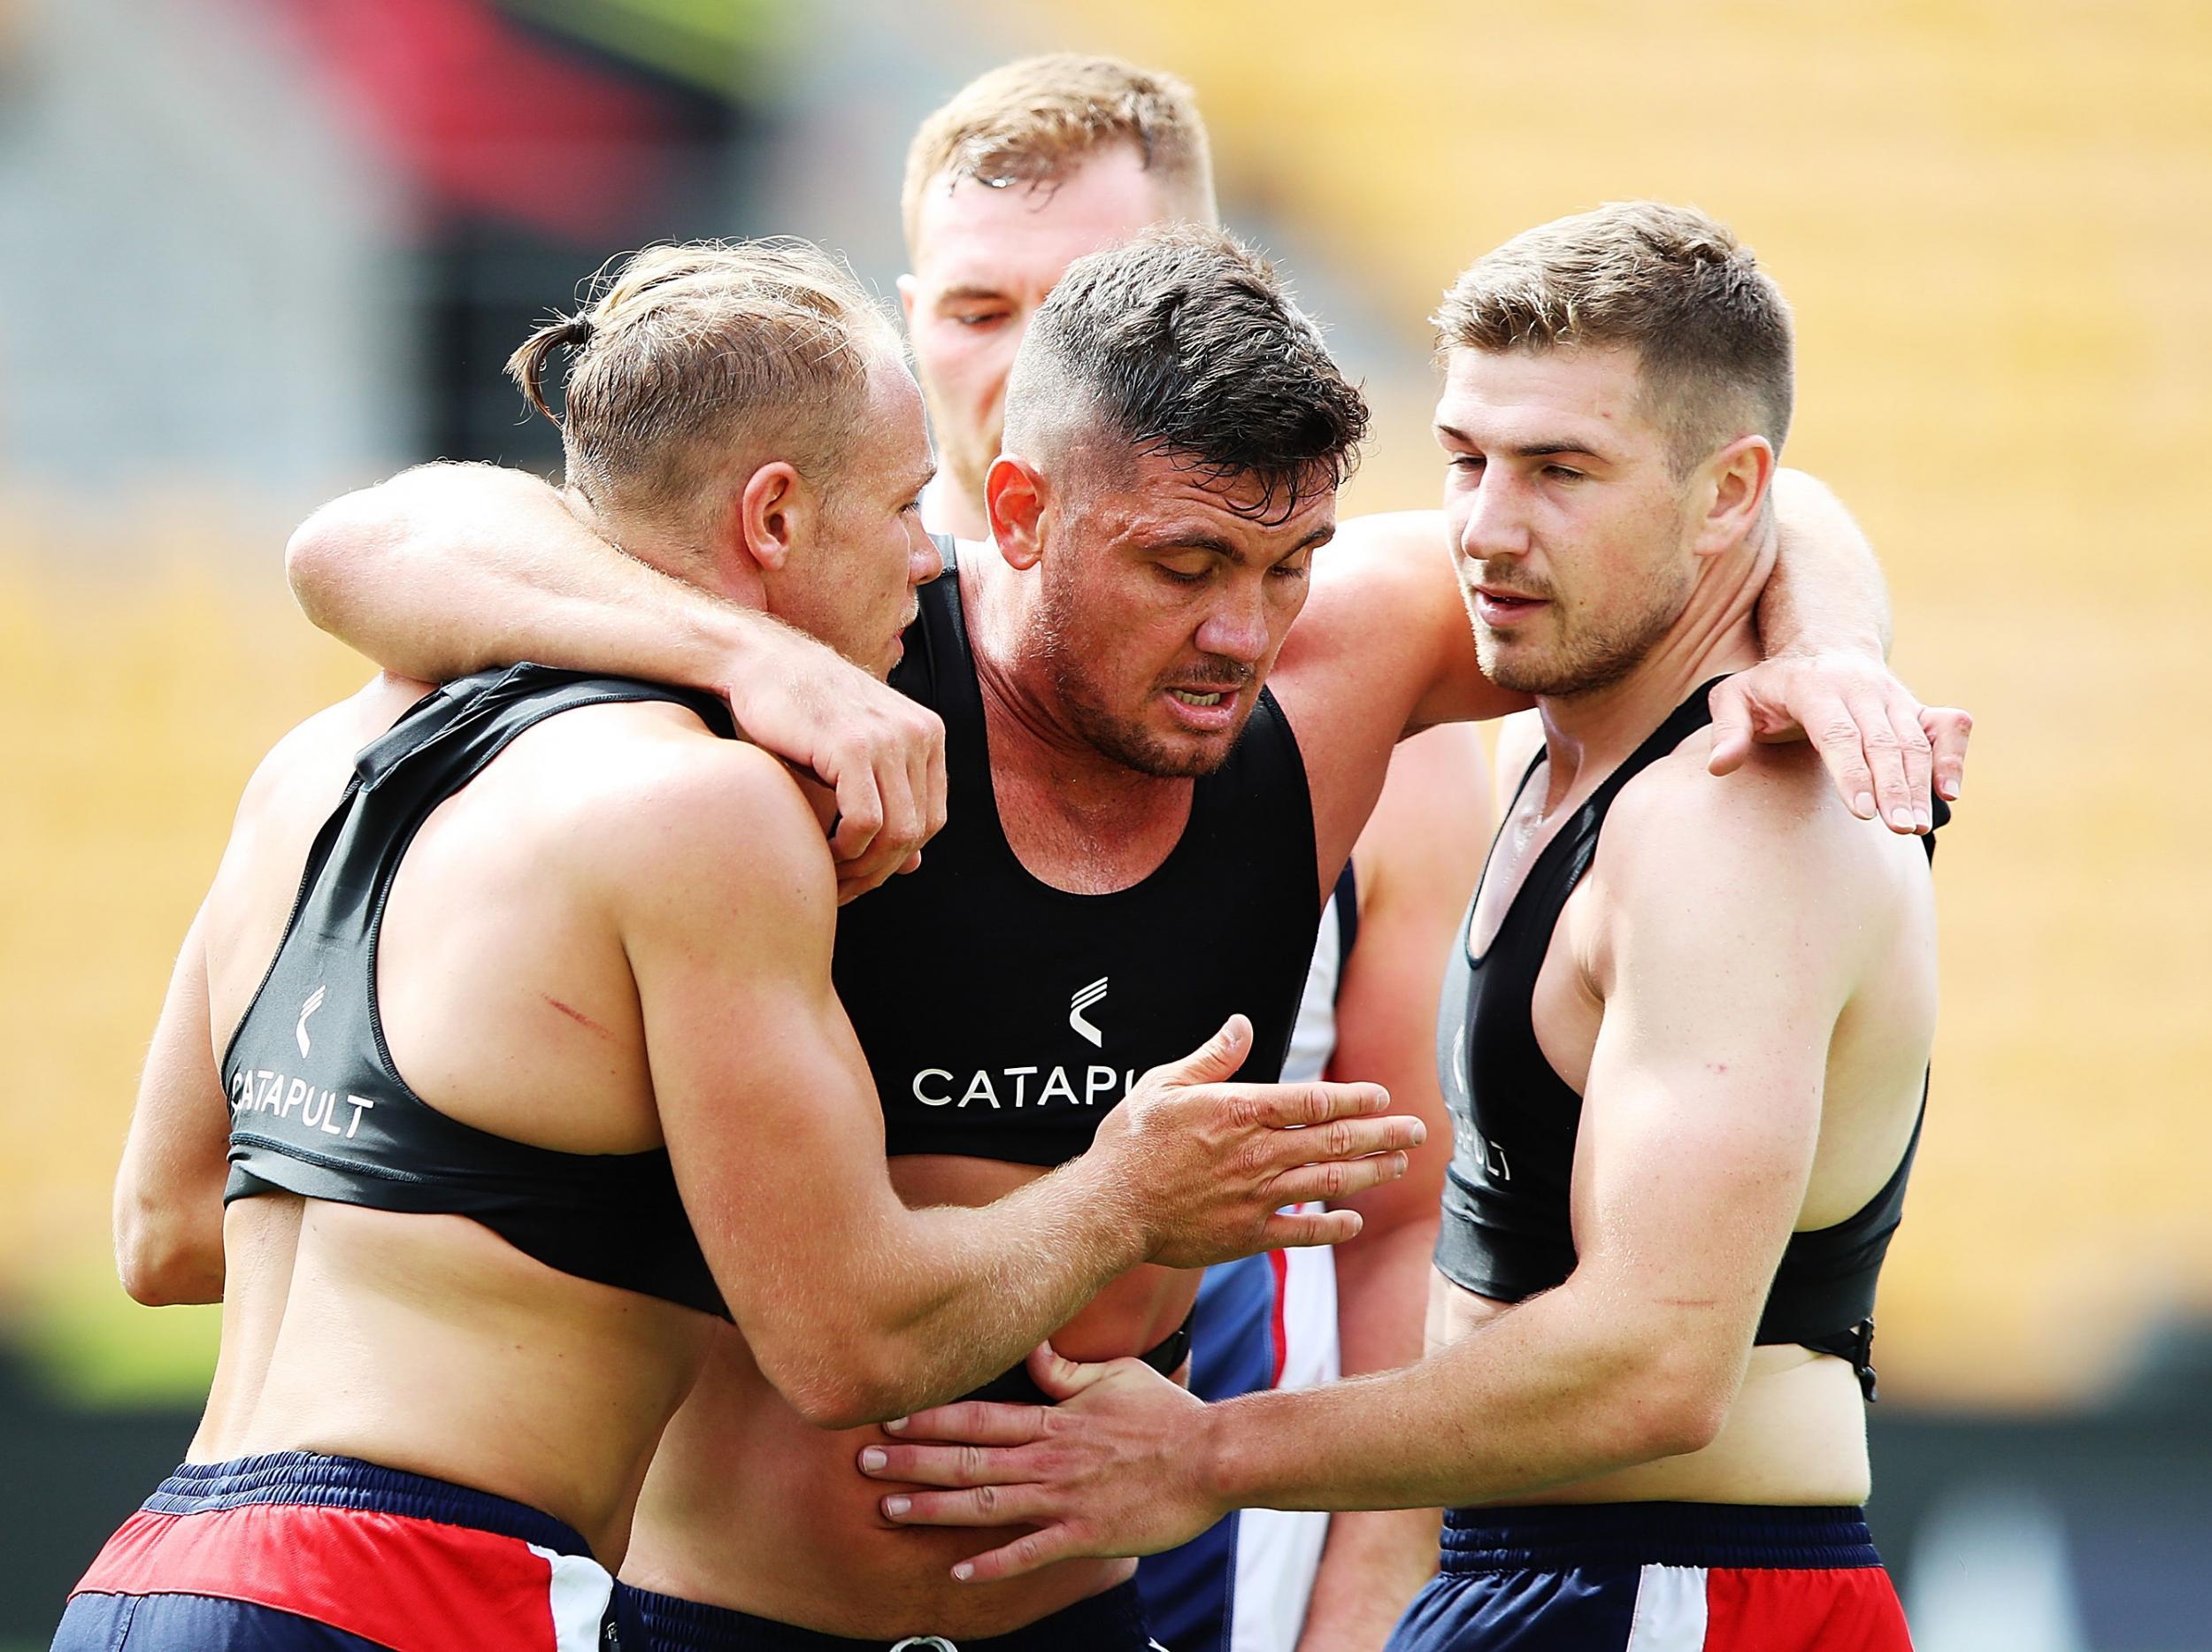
[(1883, 748), (1114, 1469), (1215, 1160)]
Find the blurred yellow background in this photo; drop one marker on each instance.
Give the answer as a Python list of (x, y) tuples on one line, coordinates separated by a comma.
[(1995, 221)]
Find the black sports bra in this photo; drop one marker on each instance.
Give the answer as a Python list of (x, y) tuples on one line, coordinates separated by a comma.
[(1506, 1232), (317, 1107)]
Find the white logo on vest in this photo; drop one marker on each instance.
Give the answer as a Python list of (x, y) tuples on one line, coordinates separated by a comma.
[(314, 1002), (1082, 1000)]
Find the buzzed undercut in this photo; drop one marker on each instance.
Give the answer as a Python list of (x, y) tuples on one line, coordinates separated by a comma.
[(1183, 342), (687, 360), (1030, 121), (1711, 327)]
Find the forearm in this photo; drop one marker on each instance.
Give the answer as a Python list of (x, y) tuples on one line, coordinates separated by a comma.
[(1826, 593), (448, 568), (983, 1287), (1547, 1393)]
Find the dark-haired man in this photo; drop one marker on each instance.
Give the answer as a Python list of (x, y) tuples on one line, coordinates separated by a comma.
[(534, 1083), (1155, 529), (1686, 1047)]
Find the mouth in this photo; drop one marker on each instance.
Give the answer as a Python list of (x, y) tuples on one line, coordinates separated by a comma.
[(1203, 711), (1497, 607)]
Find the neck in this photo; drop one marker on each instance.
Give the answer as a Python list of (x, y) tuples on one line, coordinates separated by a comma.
[(1588, 735), (666, 551), (1035, 740)]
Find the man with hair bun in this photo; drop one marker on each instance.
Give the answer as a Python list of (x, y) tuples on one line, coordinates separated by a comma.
[(1154, 778), (510, 1010), (1685, 1044)]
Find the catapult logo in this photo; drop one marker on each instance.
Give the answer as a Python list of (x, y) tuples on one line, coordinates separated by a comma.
[(1095, 993), (314, 1002)]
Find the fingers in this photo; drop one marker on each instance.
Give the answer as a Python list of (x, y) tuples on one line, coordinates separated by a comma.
[(1338, 1179), (1061, 1378), (1892, 755), (1918, 753), (1947, 730), (1342, 1139), (1025, 1554), (1835, 734), (972, 1421), (971, 1467), (1296, 1230), (889, 775), (1732, 728), (1294, 1106)]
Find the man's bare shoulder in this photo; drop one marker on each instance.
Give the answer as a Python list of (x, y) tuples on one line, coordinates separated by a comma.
[(1773, 836), (654, 803), (317, 754)]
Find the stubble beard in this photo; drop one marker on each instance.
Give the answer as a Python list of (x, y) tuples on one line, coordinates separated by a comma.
[(1588, 655)]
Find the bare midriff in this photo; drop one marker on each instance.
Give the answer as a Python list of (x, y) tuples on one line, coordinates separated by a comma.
[(1795, 1435), (428, 1344), (750, 1507)]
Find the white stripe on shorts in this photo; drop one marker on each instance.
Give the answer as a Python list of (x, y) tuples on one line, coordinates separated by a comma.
[(1669, 1611), (578, 1594)]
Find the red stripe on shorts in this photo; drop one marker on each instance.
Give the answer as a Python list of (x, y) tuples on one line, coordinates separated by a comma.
[(412, 1584), (1278, 1263), (1849, 1608)]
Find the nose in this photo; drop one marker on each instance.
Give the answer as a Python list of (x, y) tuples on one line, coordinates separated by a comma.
[(1235, 626), (926, 561), (1495, 523)]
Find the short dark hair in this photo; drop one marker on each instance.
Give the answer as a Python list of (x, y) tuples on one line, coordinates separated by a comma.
[(1184, 342), (1710, 326)]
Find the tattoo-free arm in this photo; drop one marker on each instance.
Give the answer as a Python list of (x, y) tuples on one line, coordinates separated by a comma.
[(447, 568), (1701, 1116), (856, 1307), (169, 1190)]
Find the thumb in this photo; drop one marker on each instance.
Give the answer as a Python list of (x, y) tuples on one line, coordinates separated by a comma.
[(1061, 1378), (1732, 729), (1218, 1057)]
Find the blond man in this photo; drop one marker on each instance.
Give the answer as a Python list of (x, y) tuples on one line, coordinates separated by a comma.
[(518, 994)]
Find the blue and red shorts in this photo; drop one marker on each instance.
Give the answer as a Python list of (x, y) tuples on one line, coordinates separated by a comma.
[(1111, 1622), (1656, 1577), (294, 1552)]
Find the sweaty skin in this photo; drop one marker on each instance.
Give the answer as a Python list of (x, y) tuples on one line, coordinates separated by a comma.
[(1742, 990), (1347, 702)]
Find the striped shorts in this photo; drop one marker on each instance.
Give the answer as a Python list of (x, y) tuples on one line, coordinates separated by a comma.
[(294, 1552), (1656, 1577)]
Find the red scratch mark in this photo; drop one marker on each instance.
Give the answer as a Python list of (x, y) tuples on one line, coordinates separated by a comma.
[(577, 1015)]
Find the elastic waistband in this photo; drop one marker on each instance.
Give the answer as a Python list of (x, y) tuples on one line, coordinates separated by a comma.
[(1110, 1622), (1558, 1536), (307, 1478)]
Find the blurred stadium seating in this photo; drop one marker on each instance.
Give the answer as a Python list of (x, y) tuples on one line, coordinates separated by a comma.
[(1995, 221)]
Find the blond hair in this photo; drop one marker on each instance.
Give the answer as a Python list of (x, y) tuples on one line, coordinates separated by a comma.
[(688, 356), (1031, 120), (1711, 327)]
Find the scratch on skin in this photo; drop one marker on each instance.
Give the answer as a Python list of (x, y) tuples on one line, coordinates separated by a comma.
[(577, 1015)]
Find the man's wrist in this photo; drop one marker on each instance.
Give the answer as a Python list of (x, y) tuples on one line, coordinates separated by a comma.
[(1220, 1454)]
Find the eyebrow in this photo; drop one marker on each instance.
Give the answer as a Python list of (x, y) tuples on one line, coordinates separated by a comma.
[(969, 293), (1525, 449), (1173, 541)]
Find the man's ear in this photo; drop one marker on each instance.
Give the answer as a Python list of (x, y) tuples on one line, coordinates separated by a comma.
[(775, 512), (907, 289), (1014, 496), (1733, 491)]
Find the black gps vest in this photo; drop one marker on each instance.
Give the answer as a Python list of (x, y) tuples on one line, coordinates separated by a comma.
[(1506, 1232), (1002, 1018), (317, 1107)]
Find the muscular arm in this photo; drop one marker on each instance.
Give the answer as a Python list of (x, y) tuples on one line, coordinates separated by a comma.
[(856, 1307), (447, 568), (1419, 860), (1700, 1120), (169, 1191)]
